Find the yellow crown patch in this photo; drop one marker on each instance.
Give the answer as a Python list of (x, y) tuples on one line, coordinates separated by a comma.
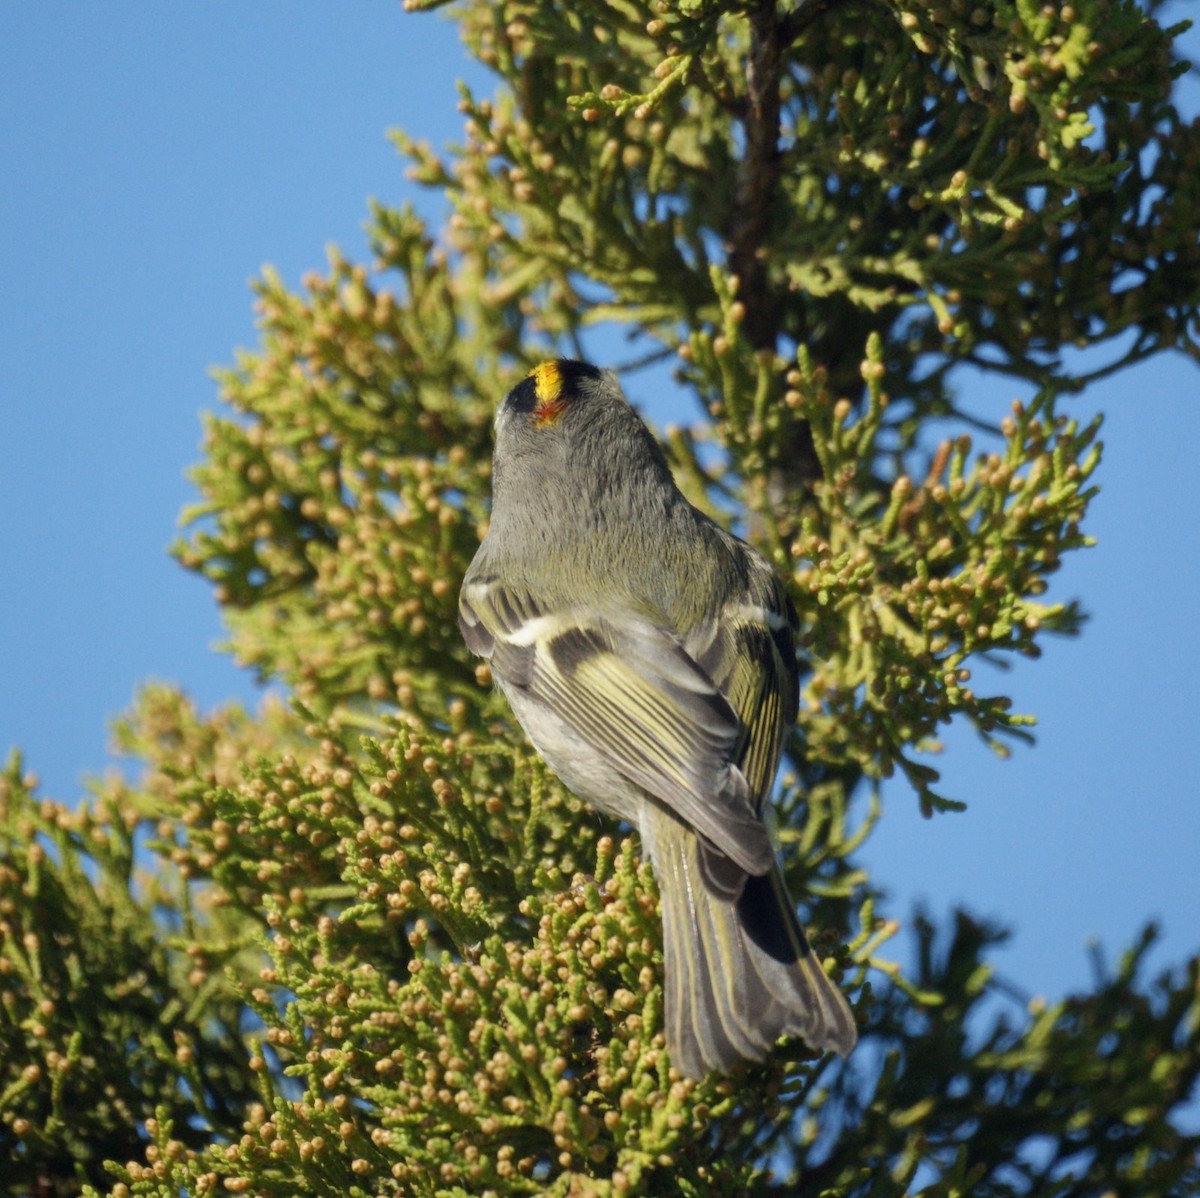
[(547, 382), (547, 388)]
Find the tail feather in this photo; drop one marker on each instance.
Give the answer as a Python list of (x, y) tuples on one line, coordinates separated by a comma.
[(739, 970)]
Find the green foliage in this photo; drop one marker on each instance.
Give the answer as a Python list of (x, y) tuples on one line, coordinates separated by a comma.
[(108, 1014), (1062, 1100), (907, 581), (376, 948)]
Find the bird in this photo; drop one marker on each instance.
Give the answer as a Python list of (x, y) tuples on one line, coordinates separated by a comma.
[(649, 656)]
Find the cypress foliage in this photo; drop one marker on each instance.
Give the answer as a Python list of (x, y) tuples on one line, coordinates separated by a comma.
[(374, 946)]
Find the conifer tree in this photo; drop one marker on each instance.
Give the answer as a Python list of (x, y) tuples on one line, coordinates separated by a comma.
[(362, 942)]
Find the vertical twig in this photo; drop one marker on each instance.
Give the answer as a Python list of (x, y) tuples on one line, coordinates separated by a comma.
[(758, 178)]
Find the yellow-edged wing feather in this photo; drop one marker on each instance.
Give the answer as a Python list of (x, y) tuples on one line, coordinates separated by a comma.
[(747, 650), (629, 688)]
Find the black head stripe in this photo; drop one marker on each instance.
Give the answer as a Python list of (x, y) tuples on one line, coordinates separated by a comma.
[(522, 397), (573, 374)]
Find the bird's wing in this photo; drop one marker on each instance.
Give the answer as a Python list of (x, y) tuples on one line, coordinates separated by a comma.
[(629, 689), (748, 650)]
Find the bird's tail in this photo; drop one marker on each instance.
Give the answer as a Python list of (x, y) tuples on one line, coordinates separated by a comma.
[(739, 969)]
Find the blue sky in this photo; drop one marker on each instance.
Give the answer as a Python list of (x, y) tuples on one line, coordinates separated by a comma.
[(158, 154)]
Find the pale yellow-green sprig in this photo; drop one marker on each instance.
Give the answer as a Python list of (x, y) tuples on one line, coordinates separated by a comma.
[(671, 73)]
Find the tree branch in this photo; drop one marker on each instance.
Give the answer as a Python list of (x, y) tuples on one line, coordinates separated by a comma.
[(758, 177), (806, 13)]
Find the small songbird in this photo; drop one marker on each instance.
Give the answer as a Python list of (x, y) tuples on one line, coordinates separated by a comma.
[(649, 656)]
